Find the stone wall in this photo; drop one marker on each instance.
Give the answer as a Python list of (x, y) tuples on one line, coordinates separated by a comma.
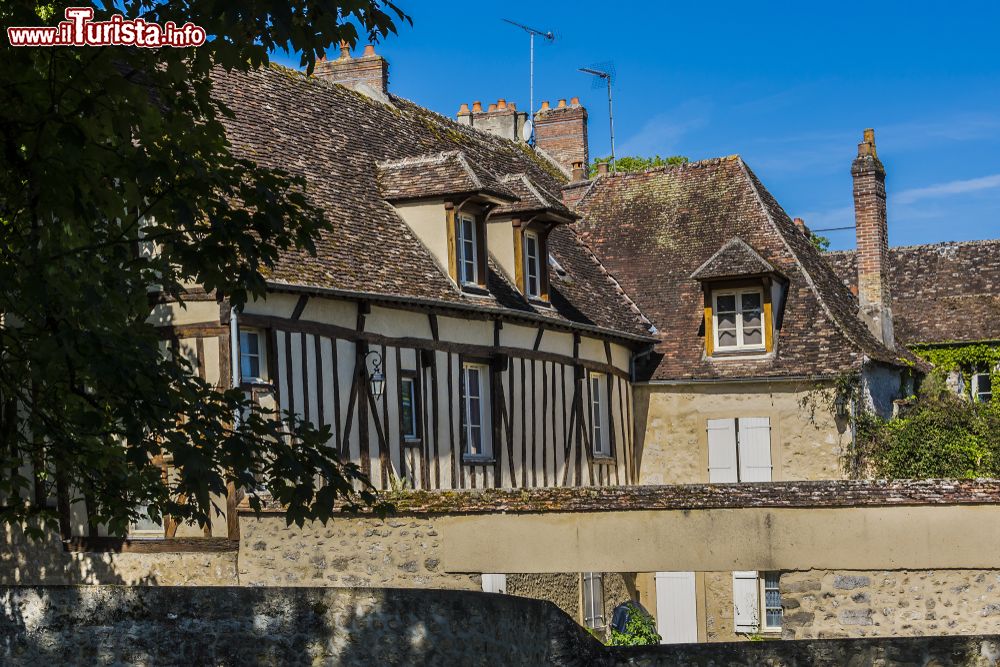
[(974, 651), (282, 626), (821, 604), (565, 591), (25, 562), (399, 552)]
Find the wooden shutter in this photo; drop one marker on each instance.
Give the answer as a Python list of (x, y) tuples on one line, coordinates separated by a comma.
[(722, 451), (676, 608), (755, 449), (494, 583), (746, 603)]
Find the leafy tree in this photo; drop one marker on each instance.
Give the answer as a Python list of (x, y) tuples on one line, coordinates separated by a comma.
[(821, 242), (105, 152), (637, 163), (940, 434), (640, 630)]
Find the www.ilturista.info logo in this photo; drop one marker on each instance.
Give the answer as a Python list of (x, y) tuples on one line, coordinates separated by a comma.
[(79, 29)]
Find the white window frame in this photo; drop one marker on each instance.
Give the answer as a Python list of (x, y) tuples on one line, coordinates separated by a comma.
[(740, 345), (600, 439), (764, 576), (535, 275), (414, 424), (147, 533), (462, 242), (593, 600), (485, 425), (261, 355), (977, 391)]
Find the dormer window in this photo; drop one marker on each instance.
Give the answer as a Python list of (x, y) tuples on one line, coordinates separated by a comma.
[(468, 251), (532, 266), (738, 319)]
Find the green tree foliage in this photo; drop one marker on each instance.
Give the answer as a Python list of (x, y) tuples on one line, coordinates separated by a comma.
[(941, 434), (106, 152), (634, 163), (820, 242), (639, 631)]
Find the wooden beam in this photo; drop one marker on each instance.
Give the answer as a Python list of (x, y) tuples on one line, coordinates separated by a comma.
[(468, 349), (449, 215), (165, 545), (300, 305)]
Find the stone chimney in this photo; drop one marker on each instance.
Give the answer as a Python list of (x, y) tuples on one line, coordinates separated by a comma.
[(368, 75), (873, 240), (561, 133), (502, 119)]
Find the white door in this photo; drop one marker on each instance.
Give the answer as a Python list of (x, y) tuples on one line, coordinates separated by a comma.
[(494, 583), (676, 608)]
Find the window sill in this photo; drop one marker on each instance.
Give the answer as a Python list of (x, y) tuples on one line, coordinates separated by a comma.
[(739, 355), (150, 545), (477, 460), (604, 459), (256, 383), (474, 290), (412, 442), (538, 302)]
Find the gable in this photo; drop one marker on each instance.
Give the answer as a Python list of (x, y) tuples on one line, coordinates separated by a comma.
[(655, 230)]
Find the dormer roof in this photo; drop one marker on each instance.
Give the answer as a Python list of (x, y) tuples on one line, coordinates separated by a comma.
[(444, 174), (734, 259), (532, 199)]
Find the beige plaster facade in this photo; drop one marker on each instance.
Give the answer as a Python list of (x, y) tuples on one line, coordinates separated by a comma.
[(672, 440)]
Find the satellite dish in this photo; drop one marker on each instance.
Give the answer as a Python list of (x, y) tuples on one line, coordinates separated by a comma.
[(527, 130)]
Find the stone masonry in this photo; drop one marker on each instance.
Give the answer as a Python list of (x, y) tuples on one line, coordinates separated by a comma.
[(821, 605)]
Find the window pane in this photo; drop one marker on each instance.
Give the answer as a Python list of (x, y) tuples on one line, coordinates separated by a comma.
[(751, 318), (726, 321), (726, 303), (751, 301), (249, 342), (408, 409), (727, 338), (752, 337)]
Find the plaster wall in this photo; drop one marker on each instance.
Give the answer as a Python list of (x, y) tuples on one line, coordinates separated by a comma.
[(672, 440)]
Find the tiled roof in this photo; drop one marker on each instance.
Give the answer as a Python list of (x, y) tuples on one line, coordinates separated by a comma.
[(342, 143), (531, 198), (735, 258), (941, 292), (438, 175), (654, 229)]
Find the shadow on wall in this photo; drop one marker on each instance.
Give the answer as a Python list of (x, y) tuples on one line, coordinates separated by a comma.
[(70, 625), (29, 563)]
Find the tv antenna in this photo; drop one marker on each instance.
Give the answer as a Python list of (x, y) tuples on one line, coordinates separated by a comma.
[(604, 73), (548, 37)]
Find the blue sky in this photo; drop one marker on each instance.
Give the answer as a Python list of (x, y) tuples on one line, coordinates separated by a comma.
[(789, 86)]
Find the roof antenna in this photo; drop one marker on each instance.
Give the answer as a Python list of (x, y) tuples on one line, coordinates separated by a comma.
[(548, 37), (604, 73)]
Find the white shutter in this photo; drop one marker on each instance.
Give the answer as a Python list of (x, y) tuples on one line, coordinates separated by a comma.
[(494, 583), (722, 450), (755, 449), (676, 608), (746, 603)]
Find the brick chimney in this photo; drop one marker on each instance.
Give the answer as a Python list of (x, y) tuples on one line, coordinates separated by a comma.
[(561, 133), (502, 119), (873, 240), (368, 75)]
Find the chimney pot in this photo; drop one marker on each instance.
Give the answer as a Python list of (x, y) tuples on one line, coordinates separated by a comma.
[(578, 172), (463, 110), (368, 76), (491, 108), (574, 101), (562, 103), (512, 106), (602, 168), (369, 51), (545, 106), (477, 107), (345, 50), (501, 104)]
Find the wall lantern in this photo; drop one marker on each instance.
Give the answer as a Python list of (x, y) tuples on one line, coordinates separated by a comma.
[(376, 378)]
